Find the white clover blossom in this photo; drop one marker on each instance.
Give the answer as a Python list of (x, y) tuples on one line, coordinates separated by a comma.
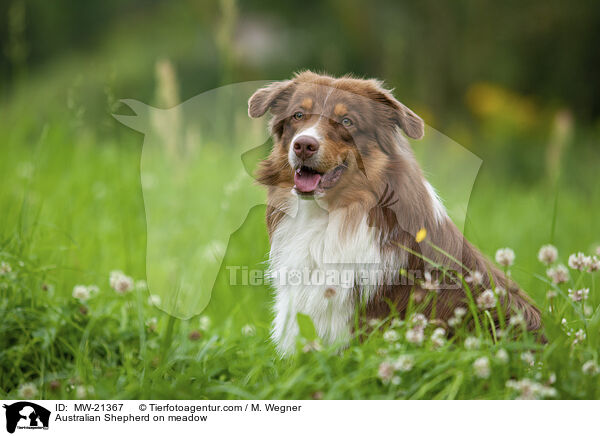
[(248, 330), (120, 282), (516, 319), (481, 367), (558, 274), (404, 363), (438, 337), (374, 322), (391, 336), (472, 343), (152, 323), (579, 261), (595, 264), (486, 300), (548, 254), (459, 312), (385, 371), (419, 320), (141, 285), (475, 278), (530, 390), (81, 293), (500, 291), (551, 294), (82, 392), (579, 336), (204, 322), (396, 323), (154, 300), (430, 284), (28, 391), (590, 368), (579, 295), (415, 335), (5, 268), (505, 257), (502, 356), (528, 358)]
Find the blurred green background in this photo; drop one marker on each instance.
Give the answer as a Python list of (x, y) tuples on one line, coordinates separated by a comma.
[(516, 83)]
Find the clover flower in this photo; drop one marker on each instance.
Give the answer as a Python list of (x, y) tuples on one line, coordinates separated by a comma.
[(154, 300), (558, 274), (5, 268), (204, 322), (530, 390), (248, 330), (415, 335), (595, 264), (502, 356), (475, 278), (81, 292), (419, 320), (385, 372), (391, 336), (579, 261), (551, 294), (438, 337), (481, 367), (528, 358), (472, 343), (486, 300), (120, 282), (459, 313), (590, 368), (28, 391), (429, 284), (404, 363), (579, 295), (152, 323), (505, 257), (548, 254), (579, 336)]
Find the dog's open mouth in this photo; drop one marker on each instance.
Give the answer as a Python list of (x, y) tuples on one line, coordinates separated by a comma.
[(309, 181)]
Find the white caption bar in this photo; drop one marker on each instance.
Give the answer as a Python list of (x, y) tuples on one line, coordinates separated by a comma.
[(295, 417)]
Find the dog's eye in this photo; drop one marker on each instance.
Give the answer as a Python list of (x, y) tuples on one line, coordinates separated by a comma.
[(298, 115), (347, 122)]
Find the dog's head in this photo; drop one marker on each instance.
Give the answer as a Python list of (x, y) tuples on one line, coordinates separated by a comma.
[(330, 133)]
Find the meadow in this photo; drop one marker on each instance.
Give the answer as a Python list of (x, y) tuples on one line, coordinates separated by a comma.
[(74, 209)]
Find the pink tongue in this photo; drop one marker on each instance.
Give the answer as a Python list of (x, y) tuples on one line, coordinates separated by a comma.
[(306, 182)]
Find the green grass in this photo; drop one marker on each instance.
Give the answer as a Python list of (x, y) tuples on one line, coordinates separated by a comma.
[(71, 211)]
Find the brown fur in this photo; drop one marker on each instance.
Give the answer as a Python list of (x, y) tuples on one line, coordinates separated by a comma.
[(383, 180)]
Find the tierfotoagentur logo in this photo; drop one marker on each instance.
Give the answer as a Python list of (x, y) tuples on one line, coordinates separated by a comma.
[(25, 415)]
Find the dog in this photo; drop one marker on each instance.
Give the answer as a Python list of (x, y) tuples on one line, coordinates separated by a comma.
[(346, 196)]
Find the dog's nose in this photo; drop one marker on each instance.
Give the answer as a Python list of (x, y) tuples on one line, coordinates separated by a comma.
[(305, 146)]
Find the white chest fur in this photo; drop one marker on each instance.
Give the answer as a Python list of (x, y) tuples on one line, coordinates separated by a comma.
[(317, 264)]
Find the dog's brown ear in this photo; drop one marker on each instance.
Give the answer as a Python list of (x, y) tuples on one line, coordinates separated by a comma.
[(266, 97), (409, 122)]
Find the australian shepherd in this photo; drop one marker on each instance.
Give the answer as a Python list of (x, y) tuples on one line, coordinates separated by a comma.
[(357, 233)]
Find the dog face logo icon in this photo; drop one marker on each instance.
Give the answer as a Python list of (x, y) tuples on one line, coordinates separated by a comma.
[(26, 415)]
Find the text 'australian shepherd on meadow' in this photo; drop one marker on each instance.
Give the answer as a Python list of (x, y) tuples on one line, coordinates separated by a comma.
[(356, 231)]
